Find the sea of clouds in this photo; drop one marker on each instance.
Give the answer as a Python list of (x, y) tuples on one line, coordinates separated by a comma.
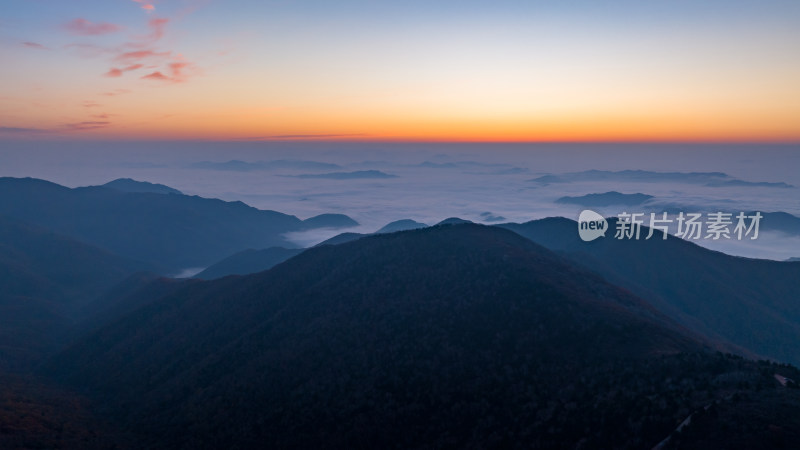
[(376, 183)]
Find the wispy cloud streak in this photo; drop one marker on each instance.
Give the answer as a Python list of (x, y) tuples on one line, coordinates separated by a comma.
[(84, 27)]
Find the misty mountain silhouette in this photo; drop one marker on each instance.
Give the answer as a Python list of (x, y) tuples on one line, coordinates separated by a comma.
[(244, 166), (130, 185), (779, 221), (357, 175), (342, 238), (401, 225), (171, 231), (248, 261), (398, 225), (750, 302), (729, 183), (392, 227), (453, 221), (606, 199), (45, 280), (330, 221), (711, 179), (457, 336), (252, 261)]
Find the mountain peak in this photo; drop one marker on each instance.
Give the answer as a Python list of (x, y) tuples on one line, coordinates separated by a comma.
[(401, 225), (478, 322), (131, 185), (330, 221)]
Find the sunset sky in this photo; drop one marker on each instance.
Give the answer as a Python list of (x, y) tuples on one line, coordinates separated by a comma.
[(402, 70)]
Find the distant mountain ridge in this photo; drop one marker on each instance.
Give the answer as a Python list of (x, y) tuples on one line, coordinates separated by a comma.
[(130, 185), (750, 302), (330, 221), (711, 179), (172, 231), (356, 175), (401, 225), (244, 166), (606, 199)]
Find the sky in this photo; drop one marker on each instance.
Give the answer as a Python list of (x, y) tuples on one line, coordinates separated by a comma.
[(462, 70)]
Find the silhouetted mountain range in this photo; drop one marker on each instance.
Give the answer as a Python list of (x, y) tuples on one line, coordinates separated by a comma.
[(357, 175), (712, 179), (329, 221), (129, 185), (342, 238), (170, 231), (606, 199), (393, 227), (458, 335), (244, 166), (461, 336), (721, 296), (453, 221), (489, 217), (779, 221), (45, 280), (248, 261), (401, 225), (750, 302)]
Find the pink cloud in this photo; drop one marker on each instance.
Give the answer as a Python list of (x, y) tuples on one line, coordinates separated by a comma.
[(157, 26), (113, 73), (85, 28), (176, 71), (157, 29), (90, 104), (34, 45), (141, 52), (139, 55), (145, 5), (157, 76), (177, 68)]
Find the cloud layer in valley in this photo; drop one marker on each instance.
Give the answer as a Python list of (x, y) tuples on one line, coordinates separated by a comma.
[(436, 181)]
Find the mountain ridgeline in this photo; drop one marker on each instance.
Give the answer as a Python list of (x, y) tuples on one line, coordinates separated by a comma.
[(247, 262), (450, 336), (170, 231), (130, 185), (752, 303)]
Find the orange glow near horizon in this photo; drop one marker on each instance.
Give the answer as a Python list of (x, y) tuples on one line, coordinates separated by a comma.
[(540, 72), (566, 128)]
